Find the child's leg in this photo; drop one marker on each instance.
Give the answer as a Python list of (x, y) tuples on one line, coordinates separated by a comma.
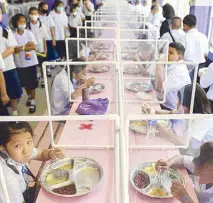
[(14, 104), (32, 108)]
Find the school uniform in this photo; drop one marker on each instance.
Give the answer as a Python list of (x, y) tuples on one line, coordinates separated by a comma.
[(145, 10), (88, 14), (197, 46), (177, 35), (206, 81), (16, 183), (49, 23), (40, 33), (156, 19), (138, 9), (61, 21), (26, 67), (177, 77), (12, 81), (74, 22), (204, 194), (60, 104)]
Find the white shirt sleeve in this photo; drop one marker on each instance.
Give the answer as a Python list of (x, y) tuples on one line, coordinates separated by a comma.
[(64, 84), (188, 163), (34, 154), (172, 82), (206, 80), (13, 188), (52, 24), (45, 32), (11, 41)]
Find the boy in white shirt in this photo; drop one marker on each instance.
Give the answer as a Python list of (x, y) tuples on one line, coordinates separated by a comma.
[(145, 8), (155, 17), (177, 77), (197, 46), (176, 34)]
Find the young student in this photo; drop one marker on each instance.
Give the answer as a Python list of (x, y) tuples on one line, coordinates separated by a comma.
[(145, 8), (155, 17), (74, 21), (137, 9), (176, 34), (16, 150), (206, 80), (61, 85), (61, 25), (40, 33), (201, 166), (13, 86), (26, 59), (47, 20), (4, 99), (88, 9), (197, 46), (177, 77)]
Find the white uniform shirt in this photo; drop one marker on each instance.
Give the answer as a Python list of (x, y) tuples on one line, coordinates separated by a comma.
[(177, 77), (60, 93), (178, 35), (156, 19), (197, 46), (204, 195), (5, 44), (41, 34), (48, 22), (206, 81), (75, 21), (153, 32), (86, 12), (22, 40), (146, 10), (138, 9), (2, 65), (16, 184), (61, 21)]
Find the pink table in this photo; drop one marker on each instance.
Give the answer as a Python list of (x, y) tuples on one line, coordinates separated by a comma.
[(139, 156), (104, 194)]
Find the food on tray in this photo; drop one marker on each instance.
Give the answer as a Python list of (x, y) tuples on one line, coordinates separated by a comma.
[(99, 69), (158, 192), (132, 70), (150, 169), (141, 179), (139, 123), (139, 86), (66, 166), (164, 123), (66, 190), (52, 180)]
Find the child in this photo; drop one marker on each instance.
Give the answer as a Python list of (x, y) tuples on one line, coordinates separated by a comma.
[(88, 9), (177, 77), (26, 59), (47, 20), (61, 85), (74, 22), (40, 33), (13, 86), (201, 165), (61, 25), (16, 150)]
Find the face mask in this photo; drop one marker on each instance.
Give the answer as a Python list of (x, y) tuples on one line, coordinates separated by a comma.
[(60, 9), (74, 13), (44, 11), (77, 9), (34, 17), (22, 27)]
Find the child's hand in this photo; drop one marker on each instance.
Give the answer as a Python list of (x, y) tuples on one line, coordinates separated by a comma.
[(179, 192), (5, 99), (56, 153), (90, 82)]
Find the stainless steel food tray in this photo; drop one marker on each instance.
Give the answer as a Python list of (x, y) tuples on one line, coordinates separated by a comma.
[(85, 174), (172, 174)]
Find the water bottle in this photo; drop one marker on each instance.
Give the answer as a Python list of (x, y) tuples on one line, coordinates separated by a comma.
[(151, 129)]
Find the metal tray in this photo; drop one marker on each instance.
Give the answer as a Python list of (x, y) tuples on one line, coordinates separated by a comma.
[(85, 175), (126, 56), (96, 88), (149, 169), (99, 69), (132, 70), (141, 126), (139, 86)]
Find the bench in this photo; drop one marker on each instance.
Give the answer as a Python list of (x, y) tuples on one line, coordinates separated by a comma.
[(42, 141)]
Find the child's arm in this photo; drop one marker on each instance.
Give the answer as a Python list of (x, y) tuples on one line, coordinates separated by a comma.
[(53, 36), (4, 98), (29, 46), (45, 47), (8, 52), (48, 154), (159, 78)]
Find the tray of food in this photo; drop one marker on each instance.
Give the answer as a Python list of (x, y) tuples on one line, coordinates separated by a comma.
[(96, 88), (132, 70), (140, 126), (71, 177), (139, 86), (99, 69), (102, 46), (102, 57), (146, 180), (126, 56)]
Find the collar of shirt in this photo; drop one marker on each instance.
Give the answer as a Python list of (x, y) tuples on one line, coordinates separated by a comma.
[(193, 30)]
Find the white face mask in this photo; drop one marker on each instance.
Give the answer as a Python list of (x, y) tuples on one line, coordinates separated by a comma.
[(22, 27), (34, 17), (74, 13)]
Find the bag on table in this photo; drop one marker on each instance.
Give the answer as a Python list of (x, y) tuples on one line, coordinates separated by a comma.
[(93, 107)]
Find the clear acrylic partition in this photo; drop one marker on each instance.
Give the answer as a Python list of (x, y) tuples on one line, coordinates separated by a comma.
[(105, 17), (108, 24), (96, 32)]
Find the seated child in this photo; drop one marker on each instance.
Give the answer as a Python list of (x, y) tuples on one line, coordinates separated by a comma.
[(16, 150)]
